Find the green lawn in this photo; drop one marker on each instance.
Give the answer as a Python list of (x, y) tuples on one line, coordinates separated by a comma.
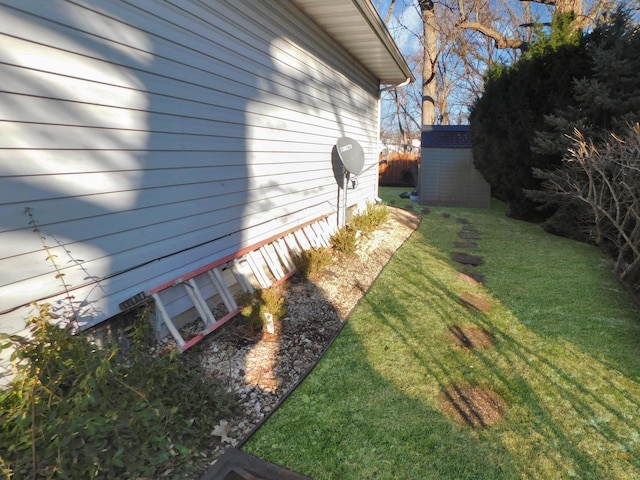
[(391, 197), (566, 362)]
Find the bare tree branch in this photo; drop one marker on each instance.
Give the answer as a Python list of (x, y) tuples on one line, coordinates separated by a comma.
[(389, 12), (501, 40), (606, 180)]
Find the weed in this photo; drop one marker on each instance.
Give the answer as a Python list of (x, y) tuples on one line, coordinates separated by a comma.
[(51, 258)]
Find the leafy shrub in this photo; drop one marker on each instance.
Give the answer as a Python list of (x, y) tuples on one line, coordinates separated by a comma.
[(312, 262), (74, 410)]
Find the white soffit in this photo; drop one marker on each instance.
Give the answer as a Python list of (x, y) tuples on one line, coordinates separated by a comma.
[(357, 26)]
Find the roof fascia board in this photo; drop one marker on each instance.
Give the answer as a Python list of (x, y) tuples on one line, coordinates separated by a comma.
[(371, 15), (365, 14)]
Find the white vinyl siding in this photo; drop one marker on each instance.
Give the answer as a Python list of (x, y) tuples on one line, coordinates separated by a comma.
[(150, 138)]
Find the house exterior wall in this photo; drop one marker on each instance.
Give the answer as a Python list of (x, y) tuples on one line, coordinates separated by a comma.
[(149, 138), (449, 178)]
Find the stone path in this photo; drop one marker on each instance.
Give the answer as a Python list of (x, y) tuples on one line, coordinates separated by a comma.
[(470, 404)]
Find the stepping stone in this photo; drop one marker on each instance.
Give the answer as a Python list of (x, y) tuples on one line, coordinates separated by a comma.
[(470, 235), (470, 245), (446, 215), (472, 405), (462, 220), (471, 336), (468, 278), (475, 301), (466, 259), (469, 228), (476, 276)]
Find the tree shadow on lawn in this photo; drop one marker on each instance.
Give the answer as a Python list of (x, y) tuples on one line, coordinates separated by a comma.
[(550, 395), (561, 312), (372, 407), (346, 421), (594, 398)]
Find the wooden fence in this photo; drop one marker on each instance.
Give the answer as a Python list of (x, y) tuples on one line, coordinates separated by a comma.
[(398, 169)]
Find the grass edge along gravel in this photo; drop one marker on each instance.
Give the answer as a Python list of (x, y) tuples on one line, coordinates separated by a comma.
[(564, 361)]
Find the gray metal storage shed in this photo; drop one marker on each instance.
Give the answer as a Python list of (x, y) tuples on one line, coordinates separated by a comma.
[(447, 174)]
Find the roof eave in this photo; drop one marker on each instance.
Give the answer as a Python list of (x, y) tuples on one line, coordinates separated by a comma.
[(385, 61), (378, 26)]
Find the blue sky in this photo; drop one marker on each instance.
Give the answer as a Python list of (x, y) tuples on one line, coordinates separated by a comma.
[(405, 11)]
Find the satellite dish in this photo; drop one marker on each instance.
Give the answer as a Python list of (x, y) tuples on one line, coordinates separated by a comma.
[(351, 155)]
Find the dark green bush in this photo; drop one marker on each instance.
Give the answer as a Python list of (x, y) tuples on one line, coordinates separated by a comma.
[(528, 110), (516, 99), (604, 102)]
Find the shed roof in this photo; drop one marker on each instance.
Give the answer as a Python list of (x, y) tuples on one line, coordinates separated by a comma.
[(357, 25), (446, 136)]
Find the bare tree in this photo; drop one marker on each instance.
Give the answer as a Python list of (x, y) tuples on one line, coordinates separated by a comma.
[(607, 181), (387, 18), (471, 18), (459, 40), (584, 13), (430, 48), (454, 60)]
